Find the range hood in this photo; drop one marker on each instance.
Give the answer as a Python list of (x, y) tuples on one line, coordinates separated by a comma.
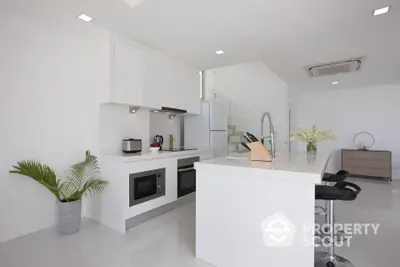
[(173, 111)]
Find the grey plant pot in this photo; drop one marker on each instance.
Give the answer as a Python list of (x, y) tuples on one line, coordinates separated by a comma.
[(69, 217)]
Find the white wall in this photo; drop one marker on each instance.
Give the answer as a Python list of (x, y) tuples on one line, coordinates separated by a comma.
[(160, 124), (54, 73), (116, 123), (252, 88), (346, 112), (51, 79)]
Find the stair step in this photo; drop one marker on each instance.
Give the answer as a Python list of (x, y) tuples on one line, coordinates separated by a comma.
[(239, 133), (235, 139)]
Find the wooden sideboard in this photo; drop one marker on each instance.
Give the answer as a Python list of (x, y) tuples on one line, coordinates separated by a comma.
[(368, 163)]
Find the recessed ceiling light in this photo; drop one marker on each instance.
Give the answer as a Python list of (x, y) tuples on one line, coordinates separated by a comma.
[(381, 11), (155, 111), (335, 82), (220, 52), (85, 17)]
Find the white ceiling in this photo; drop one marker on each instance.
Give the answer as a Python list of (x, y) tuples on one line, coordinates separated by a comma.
[(286, 34)]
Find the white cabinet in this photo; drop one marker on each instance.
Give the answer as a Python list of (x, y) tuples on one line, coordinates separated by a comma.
[(157, 89), (127, 74), (173, 97), (183, 85), (171, 83), (188, 88), (145, 77), (112, 207)]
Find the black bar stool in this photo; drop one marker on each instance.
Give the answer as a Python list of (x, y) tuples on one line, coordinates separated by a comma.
[(338, 177), (327, 179), (344, 191)]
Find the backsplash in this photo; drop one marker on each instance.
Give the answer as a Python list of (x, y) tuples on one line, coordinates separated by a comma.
[(160, 124), (116, 123)]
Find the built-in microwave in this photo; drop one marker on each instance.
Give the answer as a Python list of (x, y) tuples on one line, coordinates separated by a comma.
[(186, 176), (145, 186)]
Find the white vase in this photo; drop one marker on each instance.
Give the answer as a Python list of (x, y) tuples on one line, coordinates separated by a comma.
[(69, 217)]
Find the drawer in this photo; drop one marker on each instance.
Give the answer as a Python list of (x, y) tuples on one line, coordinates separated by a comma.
[(366, 163), (387, 173), (366, 155)]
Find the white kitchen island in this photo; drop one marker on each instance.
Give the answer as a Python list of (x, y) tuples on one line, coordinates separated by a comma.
[(257, 214)]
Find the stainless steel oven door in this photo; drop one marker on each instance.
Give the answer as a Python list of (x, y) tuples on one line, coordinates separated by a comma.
[(145, 186)]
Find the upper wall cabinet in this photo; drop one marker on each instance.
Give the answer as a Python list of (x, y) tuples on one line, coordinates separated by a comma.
[(145, 77), (186, 87), (171, 83), (127, 73), (156, 80)]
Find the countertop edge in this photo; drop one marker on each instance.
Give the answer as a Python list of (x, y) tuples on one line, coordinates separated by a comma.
[(315, 174), (153, 156), (316, 177)]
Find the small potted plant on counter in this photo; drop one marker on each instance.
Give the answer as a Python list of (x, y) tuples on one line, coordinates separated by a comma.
[(171, 142), (83, 178), (311, 137)]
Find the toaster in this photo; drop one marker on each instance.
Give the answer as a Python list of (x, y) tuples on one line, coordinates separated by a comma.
[(132, 145)]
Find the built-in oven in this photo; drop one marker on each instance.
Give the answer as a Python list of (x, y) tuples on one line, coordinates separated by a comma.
[(186, 176), (145, 186)]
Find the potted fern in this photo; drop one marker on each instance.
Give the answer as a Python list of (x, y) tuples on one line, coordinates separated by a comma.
[(83, 178), (311, 137)]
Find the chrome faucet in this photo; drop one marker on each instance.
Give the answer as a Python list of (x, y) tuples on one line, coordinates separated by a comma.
[(271, 136)]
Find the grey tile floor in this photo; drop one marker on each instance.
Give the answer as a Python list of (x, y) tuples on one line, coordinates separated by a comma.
[(168, 241), (379, 202)]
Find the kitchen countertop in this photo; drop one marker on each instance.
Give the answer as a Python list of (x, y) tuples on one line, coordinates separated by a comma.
[(147, 155), (292, 163)]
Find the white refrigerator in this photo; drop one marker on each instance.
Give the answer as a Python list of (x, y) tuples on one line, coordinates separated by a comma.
[(209, 129)]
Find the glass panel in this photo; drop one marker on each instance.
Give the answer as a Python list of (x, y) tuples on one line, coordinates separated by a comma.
[(201, 84), (187, 180), (145, 186)]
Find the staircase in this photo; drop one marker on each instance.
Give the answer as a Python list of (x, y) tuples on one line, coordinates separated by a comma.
[(235, 137)]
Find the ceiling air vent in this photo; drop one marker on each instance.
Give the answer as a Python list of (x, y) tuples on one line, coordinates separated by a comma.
[(351, 65)]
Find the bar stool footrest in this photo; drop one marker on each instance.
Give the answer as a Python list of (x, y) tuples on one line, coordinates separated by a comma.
[(322, 212)]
